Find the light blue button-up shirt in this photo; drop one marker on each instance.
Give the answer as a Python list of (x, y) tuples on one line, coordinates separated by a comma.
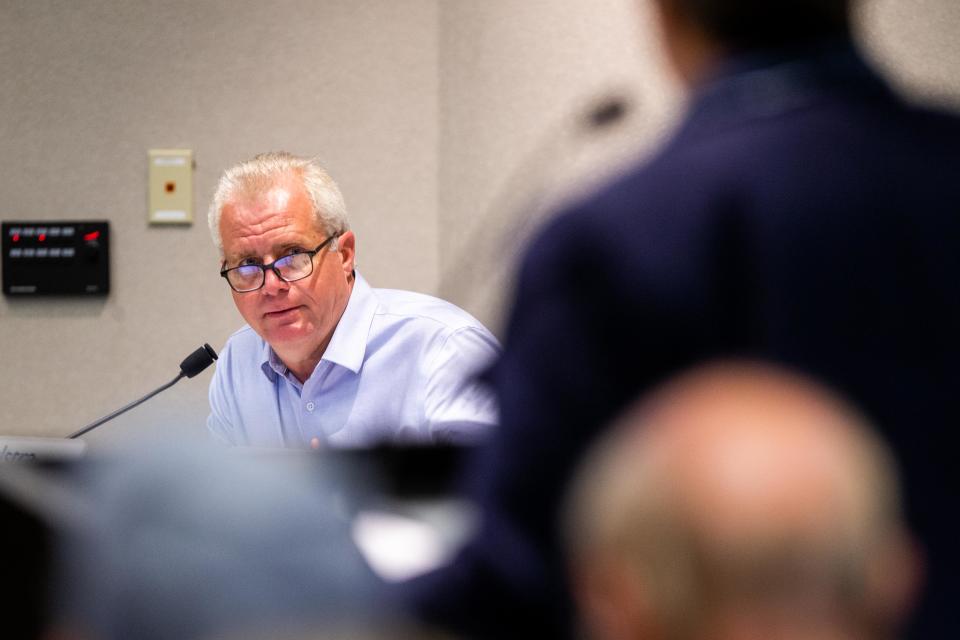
[(400, 367)]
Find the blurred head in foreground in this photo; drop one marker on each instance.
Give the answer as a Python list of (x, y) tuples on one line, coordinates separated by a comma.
[(185, 543), (697, 34), (739, 502)]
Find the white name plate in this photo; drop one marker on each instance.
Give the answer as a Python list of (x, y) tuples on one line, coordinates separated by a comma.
[(29, 449)]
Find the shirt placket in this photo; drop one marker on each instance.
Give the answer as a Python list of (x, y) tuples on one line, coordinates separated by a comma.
[(311, 416)]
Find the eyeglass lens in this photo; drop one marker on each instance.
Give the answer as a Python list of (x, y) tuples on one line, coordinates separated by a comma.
[(292, 267)]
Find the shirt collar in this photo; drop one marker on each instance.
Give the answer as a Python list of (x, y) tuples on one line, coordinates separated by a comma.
[(271, 363), (768, 83), (348, 345)]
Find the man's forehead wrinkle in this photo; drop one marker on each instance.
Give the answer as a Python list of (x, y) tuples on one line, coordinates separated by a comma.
[(265, 224), (251, 229)]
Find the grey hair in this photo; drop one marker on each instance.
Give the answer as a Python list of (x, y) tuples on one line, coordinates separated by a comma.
[(263, 171)]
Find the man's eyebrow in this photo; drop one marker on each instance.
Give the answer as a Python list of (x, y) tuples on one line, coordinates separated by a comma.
[(276, 251), (237, 257)]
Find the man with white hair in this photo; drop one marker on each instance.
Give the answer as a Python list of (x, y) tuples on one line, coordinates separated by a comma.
[(739, 502), (324, 358)]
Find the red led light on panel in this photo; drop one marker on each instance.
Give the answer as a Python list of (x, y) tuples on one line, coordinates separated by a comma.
[(16, 237), (42, 237), (93, 235)]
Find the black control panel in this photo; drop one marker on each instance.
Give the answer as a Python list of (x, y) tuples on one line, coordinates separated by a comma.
[(58, 258)]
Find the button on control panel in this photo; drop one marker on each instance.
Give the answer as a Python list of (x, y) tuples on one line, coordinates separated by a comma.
[(59, 258)]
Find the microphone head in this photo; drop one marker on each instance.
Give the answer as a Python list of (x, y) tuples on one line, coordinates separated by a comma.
[(198, 361)]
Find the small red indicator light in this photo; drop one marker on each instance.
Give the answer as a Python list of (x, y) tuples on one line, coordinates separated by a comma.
[(16, 237), (93, 235), (42, 237)]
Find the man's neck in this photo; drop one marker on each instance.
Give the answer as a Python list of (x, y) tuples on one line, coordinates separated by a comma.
[(690, 51), (303, 367)]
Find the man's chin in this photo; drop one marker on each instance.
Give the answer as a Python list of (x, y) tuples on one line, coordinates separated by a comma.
[(283, 328), (291, 333)]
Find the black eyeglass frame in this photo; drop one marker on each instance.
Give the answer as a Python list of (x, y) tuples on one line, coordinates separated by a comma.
[(272, 267)]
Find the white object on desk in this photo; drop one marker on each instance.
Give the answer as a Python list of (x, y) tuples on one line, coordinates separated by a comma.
[(35, 449), (409, 539)]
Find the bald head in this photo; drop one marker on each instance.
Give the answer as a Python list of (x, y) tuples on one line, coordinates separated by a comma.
[(738, 500)]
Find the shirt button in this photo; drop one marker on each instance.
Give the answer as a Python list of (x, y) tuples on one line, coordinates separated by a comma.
[(310, 406)]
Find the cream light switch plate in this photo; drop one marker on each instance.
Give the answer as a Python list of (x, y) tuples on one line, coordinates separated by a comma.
[(170, 196)]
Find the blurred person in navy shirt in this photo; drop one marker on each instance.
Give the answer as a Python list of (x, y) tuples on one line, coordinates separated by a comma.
[(802, 212)]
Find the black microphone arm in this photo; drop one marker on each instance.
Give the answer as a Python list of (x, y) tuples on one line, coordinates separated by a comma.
[(191, 366)]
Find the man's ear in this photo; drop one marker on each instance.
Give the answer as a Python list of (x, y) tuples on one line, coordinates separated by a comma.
[(613, 603), (895, 579), (347, 248)]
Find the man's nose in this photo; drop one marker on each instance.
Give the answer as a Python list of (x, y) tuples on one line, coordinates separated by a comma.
[(273, 283)]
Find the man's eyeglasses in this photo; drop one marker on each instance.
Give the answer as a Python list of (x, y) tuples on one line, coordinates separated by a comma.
[(289, 268)]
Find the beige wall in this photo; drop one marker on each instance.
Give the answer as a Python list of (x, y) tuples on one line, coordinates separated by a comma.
[(420, 108), (87, 87), (514, 73), (515, 81)]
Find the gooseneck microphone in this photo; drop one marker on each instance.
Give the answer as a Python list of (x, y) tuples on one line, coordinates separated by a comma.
[(191, 366)]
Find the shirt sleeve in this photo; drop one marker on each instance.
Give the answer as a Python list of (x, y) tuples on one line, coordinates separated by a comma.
[(220, 421), (458, 406)]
